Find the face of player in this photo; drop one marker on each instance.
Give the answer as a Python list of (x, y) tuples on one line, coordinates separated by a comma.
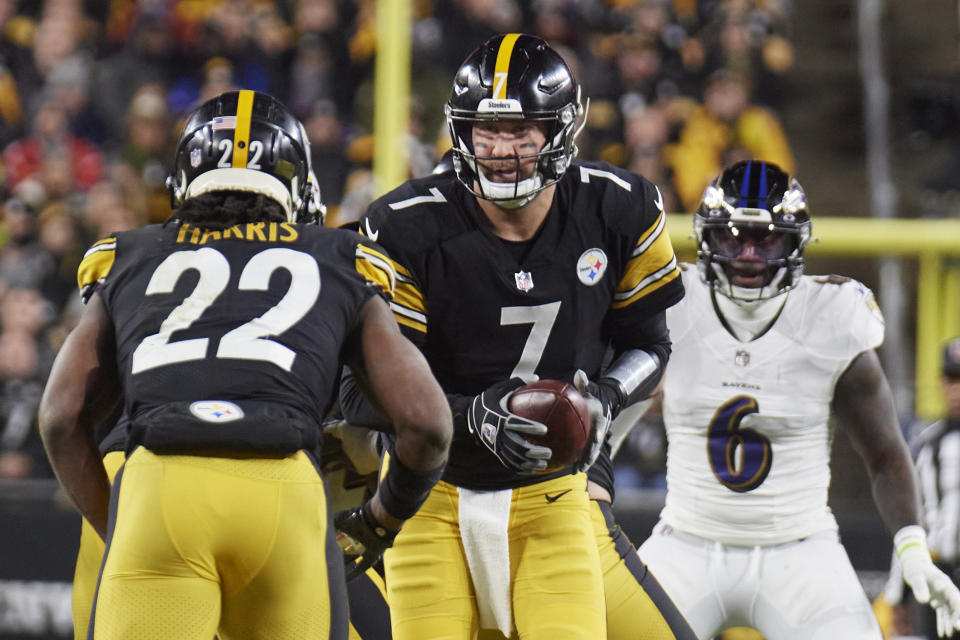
[(753, 254), (506, 151)]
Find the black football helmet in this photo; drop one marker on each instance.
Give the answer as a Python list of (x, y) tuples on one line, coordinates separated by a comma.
[(247, 141), (751, 228), (514, 77)]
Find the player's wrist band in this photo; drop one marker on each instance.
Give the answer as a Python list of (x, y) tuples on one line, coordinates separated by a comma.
[(403, 490), (909, 537)]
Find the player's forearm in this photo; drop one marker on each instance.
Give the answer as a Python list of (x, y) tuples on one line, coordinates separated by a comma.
[(78, 466), (356, 406), (896, 496)]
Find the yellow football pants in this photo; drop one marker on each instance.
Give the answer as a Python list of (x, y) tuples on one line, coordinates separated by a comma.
[(89, 557), (554, 568), (637, 607), (199, 541)]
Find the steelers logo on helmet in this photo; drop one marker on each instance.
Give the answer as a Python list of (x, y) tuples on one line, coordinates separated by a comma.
[(751, 228), (514, 78), (246, 141)]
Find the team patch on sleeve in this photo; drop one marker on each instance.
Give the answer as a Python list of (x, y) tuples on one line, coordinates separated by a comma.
[(376, 268), (652, 265), (96, 265)]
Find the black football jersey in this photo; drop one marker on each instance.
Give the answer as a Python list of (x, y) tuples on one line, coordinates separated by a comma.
[(231, 339), (484, 310)]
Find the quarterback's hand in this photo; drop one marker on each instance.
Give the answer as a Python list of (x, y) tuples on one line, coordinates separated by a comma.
[(600, 419), (361, 536), (927, 582), (500, 431)]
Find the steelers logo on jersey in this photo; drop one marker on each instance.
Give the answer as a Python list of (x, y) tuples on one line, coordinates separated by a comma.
[(591, 266), (216, 410)]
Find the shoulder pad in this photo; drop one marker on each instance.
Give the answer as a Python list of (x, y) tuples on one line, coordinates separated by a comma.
[(96, 265), (832, 279)]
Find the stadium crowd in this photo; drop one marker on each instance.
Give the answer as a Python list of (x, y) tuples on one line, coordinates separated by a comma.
[(92, 94)]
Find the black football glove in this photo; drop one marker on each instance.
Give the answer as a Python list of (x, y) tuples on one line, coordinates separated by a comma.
[(499, 430), (601, 417), (361, 536)]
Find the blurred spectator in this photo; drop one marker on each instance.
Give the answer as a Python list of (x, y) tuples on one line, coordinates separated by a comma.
[(467, 23), (69, 84), (107, 211), (148, 56), (148, 146), (24, 363), (647, 133), (724, 130), (39, 166), (60, 237), (328, 151), (24, 263)]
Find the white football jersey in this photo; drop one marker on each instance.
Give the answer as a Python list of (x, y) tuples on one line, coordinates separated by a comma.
[(747, 422)]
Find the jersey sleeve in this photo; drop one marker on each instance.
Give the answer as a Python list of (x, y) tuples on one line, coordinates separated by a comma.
[(650, 279), (848, 315), (650, 275), (95, 266), (865, 319), (408, 302), (373, 264)]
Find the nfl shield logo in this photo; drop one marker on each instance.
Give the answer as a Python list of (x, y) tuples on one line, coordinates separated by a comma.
[(195, 158), (524, 280), (742, 358)]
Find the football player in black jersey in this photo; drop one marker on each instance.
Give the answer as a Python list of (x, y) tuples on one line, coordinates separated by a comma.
[(224, 331), (518, 265)]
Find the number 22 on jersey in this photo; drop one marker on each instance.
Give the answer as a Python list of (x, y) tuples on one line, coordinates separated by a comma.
[(740, 458), (249, 341)]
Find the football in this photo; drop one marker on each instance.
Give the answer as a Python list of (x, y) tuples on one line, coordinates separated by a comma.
[(562, 408)]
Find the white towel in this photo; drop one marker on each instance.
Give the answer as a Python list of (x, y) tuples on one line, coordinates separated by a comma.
[(484, 517)]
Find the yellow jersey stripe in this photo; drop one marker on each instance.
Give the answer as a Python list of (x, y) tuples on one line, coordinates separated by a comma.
[(374, 266), (413, 324), (650, 236), (96, 264), (657, 251), (241, 135), (503, 66), (409, 307), (648, 285)]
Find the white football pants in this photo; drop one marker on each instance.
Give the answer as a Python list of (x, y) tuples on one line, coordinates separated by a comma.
[(803, 590)]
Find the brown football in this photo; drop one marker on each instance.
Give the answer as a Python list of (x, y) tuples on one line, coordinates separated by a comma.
[(562, 408)]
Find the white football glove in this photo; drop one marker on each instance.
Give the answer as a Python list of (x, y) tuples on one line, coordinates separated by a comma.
[(600, 419), (927, 582)]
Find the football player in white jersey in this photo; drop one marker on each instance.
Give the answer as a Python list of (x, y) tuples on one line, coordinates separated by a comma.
[(761, 357)]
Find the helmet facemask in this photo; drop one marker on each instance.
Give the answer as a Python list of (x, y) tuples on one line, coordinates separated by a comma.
[(752, 253)]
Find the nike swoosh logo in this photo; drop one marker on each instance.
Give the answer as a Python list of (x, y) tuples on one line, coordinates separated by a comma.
[(659, 201), (556, 497), (373, 235)]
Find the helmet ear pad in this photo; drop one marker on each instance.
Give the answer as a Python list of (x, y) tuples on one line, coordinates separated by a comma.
[(244, 141)]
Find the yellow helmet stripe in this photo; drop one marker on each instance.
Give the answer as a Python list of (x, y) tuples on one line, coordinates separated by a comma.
[(241, 135), (503, 66)]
